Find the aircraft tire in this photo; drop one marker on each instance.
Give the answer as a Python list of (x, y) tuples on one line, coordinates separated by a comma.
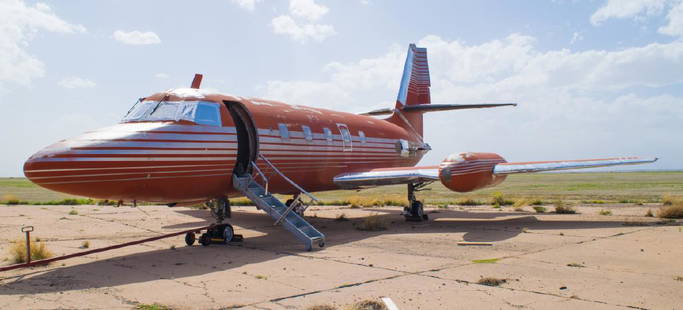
[(190, 239), (228, 233), (205, 240)]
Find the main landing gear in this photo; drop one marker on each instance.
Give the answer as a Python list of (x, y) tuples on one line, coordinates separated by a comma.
[(414, 212), (221, 233)]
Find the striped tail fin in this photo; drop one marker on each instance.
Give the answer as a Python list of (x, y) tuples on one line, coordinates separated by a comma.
[(414, 90), (415, 82)]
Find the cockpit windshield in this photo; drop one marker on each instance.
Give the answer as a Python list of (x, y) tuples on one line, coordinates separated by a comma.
[(200, 112)]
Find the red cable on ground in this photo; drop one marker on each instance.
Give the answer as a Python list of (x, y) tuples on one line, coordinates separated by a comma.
[(49, 260)]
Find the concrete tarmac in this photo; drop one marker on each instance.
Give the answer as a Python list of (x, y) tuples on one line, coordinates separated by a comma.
[(548, 261)]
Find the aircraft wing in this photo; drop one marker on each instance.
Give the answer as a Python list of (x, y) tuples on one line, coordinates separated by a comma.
[(526, 167), (405, 175), (387, 176)]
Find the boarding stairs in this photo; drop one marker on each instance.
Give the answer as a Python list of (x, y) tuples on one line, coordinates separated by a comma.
[(284, 215)]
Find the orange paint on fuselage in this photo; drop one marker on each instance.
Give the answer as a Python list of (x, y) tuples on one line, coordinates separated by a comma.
[(175, 161)]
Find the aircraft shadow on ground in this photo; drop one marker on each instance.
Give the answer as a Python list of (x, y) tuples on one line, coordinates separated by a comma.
[(197, 260)]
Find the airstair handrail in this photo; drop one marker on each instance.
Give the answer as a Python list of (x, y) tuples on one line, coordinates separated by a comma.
[(288, 179), (263, 176)]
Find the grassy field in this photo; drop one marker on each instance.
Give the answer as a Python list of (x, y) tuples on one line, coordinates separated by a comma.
[(581, 187)]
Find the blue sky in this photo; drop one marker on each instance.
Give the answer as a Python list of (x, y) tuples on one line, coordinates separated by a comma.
[(593, 78)]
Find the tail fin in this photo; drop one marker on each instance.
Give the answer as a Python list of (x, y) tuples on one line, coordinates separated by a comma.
[(414, 90)]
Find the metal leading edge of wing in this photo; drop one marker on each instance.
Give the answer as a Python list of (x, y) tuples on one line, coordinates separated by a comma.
[(405, 175), (389, 176), (527, 167)]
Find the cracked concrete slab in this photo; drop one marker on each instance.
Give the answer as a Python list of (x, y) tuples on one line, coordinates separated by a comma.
[(418, 265)]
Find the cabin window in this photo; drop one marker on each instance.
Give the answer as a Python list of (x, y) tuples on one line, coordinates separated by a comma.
[(328, 134), (307, 133), (361, 136), (284, 132)]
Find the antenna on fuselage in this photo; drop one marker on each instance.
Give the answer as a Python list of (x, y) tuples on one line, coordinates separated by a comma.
[(197, 81)]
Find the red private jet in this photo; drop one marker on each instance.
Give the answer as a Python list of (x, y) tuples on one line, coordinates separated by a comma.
[(189, 145)]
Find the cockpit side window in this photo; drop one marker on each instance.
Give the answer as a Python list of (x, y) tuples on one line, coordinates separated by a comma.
[(207, 114)]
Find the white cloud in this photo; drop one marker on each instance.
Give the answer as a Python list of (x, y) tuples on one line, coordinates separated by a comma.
[(18, 25), (161, 76), (588, 100), (640, 8), (76, 82), (675, 17), (627, 8), (576, 37), (285, 25), (136, 37), (303, 31), (246, 4), (307, 9)]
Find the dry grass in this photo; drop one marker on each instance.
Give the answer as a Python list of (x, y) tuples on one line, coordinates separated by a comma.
[(370, 201), (520, 203), (674, 211), (668, 199), (577, 265), (85, 244), (672, 207), (498, 199), (341, 218), (605, 212), (491, 281), (539, 209), (562, 208), (38, 251), (649, 213), (468, 202), (368, 304), (373, 223), (73, 212), (153, 306)]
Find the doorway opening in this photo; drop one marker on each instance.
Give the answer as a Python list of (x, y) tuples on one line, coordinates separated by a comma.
[(247, 138)]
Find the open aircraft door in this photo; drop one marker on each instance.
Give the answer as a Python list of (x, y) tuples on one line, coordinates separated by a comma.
[(247, 137)]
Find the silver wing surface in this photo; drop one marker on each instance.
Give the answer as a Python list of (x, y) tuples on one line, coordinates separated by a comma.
[(405, 175), (387, 176), (527, 167)]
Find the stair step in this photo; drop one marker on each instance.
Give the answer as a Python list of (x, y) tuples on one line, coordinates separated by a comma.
[(296, 224)]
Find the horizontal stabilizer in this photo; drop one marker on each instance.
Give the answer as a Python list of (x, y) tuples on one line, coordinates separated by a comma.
[(424, 108), (539, 166)]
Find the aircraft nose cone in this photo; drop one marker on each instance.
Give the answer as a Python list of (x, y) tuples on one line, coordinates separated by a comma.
[(44, 164)]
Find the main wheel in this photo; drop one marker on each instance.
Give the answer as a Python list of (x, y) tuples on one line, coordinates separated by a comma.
[(190, 238), (205, 240), (228, 233)]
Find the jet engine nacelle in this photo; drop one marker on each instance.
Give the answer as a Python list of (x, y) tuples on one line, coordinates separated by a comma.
[(465, 172)]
